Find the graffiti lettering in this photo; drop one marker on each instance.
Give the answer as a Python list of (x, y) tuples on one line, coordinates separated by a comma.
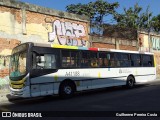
[(67, 33)]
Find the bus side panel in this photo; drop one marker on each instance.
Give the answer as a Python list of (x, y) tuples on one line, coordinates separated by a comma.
[(41, 86), (145, 74)]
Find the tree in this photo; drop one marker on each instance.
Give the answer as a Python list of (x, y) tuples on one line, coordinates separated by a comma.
[(133, 18), (96, 11), (156, 23)]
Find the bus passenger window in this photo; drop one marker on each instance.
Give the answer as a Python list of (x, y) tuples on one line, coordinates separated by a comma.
[(40, 62), (147, 61), (101, 59), (94, 59), (101, 64), (65, 58), (94, 63), (75, 59), (125, 62), (104, 59), (50, 61), (84, 63), (112, 60), (85, 60), (43, 61), (106, 62), (135, 60)]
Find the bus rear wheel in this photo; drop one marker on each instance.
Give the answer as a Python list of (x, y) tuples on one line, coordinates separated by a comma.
[(130, 82), (66, 90)]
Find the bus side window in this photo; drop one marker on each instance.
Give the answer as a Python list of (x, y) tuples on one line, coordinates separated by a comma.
[(135, 60), (147, 61), (85, 59), (94, 59), (101, 63), (50, 61), (112, 60), (65, 58), (125, 62), (43, 61), (104, 59), (40, 62), (75, 59)]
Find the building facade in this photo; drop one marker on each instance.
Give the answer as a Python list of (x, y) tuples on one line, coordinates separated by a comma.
[(150, 42), (22, 22)]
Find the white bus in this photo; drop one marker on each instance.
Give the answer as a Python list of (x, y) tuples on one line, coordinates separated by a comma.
[(41, 70)]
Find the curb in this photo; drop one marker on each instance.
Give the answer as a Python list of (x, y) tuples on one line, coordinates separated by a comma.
[(8, 97)]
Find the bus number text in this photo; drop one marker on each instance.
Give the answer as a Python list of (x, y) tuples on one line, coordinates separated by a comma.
[(75, 73)]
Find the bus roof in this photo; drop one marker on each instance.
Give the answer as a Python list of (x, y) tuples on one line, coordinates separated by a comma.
[(86, 48)]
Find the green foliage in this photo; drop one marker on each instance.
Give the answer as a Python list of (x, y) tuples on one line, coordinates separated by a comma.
[(133, 18), (156, 23), (96, 11)]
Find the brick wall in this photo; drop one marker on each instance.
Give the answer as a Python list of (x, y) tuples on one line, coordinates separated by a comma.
[(128, 47), (103, 45), (22, 22), (7, 44), (113, 43)]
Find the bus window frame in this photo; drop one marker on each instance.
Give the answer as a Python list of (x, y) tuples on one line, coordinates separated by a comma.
[(151, 60), (139, 60), (43, 50), (70, 66)]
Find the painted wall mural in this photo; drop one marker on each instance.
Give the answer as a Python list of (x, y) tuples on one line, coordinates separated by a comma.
[(68, 33), (155, 43)]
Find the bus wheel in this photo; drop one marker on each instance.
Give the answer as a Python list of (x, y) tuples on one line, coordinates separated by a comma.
[(66, 90), (130, 82)]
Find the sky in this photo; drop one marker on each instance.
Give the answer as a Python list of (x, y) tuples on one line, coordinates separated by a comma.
[(154, 5)]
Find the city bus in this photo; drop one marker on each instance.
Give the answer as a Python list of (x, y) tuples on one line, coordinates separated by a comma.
[(43, 69)]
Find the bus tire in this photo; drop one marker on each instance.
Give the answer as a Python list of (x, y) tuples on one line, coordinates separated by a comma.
[(66, 90), (130, 82)]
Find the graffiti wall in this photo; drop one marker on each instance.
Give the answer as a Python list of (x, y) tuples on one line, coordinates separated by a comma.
[(155, 42), (4, 71), (22, 22), (68, 33), (144, 42), (6, 46), (151, 46)]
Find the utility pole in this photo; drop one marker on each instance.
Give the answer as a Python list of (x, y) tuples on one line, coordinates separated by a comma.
[(149, 41)]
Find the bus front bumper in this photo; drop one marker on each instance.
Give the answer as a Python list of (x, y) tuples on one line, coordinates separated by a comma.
[(23, 92)]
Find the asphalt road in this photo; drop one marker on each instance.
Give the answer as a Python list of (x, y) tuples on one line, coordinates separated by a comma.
[(141, 98)]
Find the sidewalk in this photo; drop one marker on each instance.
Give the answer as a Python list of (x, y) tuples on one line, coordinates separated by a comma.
[(5, 95)]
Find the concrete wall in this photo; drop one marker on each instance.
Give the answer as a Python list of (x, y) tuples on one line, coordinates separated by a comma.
[(22, 22), (114, 43), (152, 45)]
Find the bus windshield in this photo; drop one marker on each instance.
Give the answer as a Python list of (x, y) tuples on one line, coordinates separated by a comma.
[(18, 64)]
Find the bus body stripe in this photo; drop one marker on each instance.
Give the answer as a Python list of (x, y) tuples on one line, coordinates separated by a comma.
[(93, 79)]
